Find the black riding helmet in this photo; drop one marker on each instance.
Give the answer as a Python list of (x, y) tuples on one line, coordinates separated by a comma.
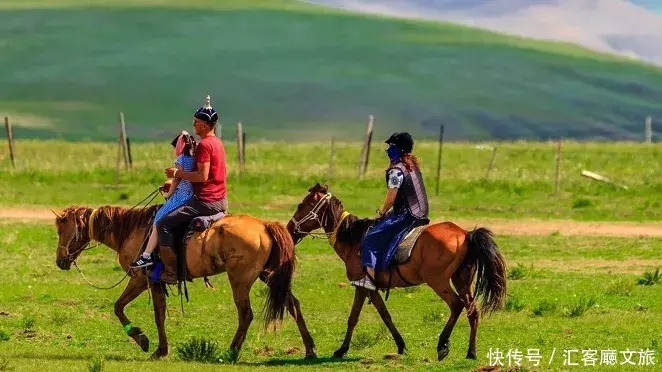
[(402, 140)]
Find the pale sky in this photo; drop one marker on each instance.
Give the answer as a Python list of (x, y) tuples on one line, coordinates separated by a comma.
[(616, 26)]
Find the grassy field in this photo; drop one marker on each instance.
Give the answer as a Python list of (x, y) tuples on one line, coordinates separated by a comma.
[(55, 174), (564, 292), (51, 320), (285, 68)]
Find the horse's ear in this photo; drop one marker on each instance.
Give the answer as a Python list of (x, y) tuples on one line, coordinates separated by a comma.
[(324, 188), (316, 188)]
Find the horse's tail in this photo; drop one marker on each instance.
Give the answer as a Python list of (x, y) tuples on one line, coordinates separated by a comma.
[(490, 269), (280, 267)]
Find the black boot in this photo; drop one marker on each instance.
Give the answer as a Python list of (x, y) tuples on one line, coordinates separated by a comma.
[(169, 259)]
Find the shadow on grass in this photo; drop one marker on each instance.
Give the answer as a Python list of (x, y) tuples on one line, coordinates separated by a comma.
[(107, 357), (301, 362), (122, 358)]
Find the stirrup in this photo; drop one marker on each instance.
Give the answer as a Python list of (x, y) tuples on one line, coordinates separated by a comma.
[(365, 282)]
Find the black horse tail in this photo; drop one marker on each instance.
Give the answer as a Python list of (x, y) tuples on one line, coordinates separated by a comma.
[(490, 269), (280, 269)]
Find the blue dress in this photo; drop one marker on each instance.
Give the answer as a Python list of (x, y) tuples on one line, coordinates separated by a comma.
[(381, 241), (183, 192)]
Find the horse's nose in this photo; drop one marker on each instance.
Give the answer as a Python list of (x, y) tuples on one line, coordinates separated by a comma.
[(62, 264)]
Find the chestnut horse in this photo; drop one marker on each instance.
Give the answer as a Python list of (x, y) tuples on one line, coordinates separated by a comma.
[(444, 252), (243, 246)]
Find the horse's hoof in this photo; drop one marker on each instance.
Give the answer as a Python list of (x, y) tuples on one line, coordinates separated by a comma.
[(143, 341), (442, 353), (340, 353), (471, 356), (311, 355), (402, 350), (159, 353)]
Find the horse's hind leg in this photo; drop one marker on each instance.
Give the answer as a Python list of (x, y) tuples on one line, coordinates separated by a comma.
[(295, 311), (360, 295), (462, 281), (386, 318), (441, 285), (134, 288)]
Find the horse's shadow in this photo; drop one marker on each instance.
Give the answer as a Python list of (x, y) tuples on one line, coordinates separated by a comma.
[(300, 362), (84, 357), (124, 358)]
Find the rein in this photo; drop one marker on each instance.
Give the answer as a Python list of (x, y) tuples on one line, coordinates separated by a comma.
[(77, 233), (314, 215), (332, 237)]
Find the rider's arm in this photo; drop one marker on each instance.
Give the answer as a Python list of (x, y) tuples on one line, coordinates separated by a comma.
[(394, 181), (200, 175), (388, 201), (203, 158), (173, 184)]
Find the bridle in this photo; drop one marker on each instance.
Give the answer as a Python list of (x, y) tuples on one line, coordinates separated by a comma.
[(77, 234), (313, 215)]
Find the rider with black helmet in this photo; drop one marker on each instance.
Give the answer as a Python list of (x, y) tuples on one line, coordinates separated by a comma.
[(408, 199)]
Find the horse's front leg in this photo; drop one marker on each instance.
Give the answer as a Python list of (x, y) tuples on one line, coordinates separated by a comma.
[(360, 295), (386, 318), (134, 288), (158, 298)]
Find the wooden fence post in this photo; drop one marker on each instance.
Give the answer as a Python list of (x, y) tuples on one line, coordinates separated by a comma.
[(243, 149), (128, 150), (123, 145), (365, 152), (441, 145), (240, 146), (10, 139), (489, 168), (648, 130)]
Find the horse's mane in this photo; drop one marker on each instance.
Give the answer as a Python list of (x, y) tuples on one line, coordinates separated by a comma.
[(352, 229), (119, 221)]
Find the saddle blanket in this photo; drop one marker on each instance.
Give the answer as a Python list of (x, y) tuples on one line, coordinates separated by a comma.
[(403, 252)]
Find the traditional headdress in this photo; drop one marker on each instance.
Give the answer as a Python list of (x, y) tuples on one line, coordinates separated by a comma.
[(206, 112)]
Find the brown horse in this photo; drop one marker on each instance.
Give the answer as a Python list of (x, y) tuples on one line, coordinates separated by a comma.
[(444, 252), (243, 246)]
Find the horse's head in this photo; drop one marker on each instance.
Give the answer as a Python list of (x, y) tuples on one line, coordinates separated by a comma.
[(308, 216), (72, 233)]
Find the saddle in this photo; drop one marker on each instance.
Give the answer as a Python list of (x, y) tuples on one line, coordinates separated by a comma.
[(201, 223), (403, 251), (198, 224), (407, 243)]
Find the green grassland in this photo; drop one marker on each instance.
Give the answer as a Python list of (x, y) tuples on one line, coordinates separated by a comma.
[(55, 174), (285, 68), (52, 320)]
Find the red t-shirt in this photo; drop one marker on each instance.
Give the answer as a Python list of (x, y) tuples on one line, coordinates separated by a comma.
[(210, 149)]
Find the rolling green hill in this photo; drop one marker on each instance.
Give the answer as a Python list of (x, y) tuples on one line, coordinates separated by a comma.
[(283, 68)]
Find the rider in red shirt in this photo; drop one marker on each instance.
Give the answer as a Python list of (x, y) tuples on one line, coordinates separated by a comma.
[(209, 185)]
